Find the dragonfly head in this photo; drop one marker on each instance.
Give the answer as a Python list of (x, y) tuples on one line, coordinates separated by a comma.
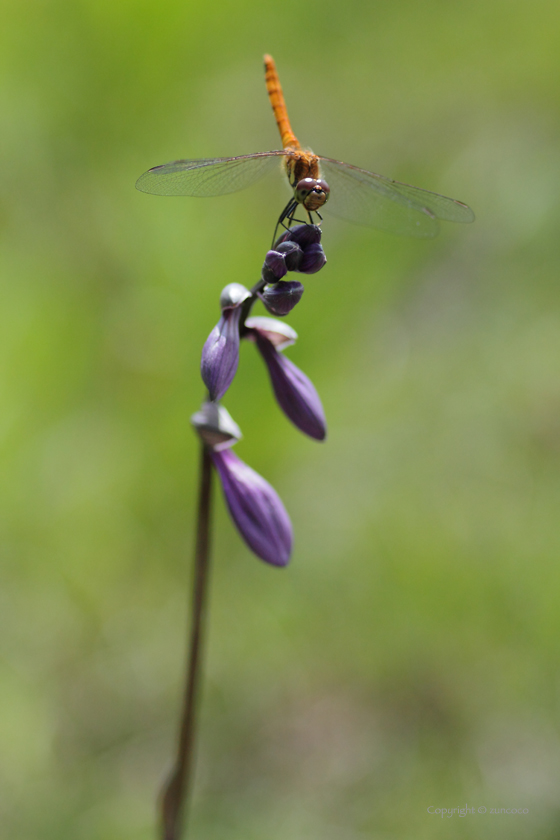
[(312, 193)]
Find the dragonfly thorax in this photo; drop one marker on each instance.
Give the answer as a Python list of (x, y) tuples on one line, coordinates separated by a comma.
[(312, 193), (300, 164)]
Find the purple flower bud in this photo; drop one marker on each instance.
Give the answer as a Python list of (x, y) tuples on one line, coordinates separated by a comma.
[(313, 259), (274, 267), (304, 235), (292, 254), (220, 354), (282, 297), (216, 427), (256, 509), (295, 393), (279, 261)]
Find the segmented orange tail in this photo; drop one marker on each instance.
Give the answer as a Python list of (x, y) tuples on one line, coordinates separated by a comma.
[(289, 139)]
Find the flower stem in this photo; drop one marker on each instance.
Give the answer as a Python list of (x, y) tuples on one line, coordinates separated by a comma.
[(176, 792), (247, 305)]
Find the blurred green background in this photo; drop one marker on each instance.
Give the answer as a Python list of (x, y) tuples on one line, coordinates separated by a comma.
[(408, 657)]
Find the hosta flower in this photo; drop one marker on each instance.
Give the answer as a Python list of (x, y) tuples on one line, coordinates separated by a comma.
[(294, 391), (220, 354), (256, 508)]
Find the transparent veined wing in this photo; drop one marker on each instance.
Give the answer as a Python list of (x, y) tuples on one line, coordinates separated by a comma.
[(366, 198), (212, 176)]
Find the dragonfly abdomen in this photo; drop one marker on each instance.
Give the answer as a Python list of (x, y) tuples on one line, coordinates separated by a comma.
[(274, 88)]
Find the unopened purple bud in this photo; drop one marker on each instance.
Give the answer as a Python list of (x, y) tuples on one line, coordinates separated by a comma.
[(220, 354), (274, 267), (256, 509), (305, 235), (282, 297), (283, 237), (286, 257), (216, 427), (294, 391), (292, 254), (313, 259)]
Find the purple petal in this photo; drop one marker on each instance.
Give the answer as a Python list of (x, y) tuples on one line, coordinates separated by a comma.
[(305, 235), (295, 393), (282, 238), (256, 509), (282, 297), (274, 266), (313, 259), (293, 254), (220, 354)]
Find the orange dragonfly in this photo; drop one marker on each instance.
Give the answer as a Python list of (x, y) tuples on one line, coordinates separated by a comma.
[(351, 193)]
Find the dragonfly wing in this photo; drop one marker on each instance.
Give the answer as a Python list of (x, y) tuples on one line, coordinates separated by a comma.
[(366, 198), (213, 176)]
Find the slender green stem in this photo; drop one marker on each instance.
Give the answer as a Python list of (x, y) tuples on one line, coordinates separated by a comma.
[(176, 792)]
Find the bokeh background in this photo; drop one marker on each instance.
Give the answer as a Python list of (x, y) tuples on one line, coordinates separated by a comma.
[(409, 655)]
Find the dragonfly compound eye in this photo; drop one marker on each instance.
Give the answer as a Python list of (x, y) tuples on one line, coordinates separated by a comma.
[(311, 193)]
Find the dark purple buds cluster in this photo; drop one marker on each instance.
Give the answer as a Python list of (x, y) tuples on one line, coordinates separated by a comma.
[(298, 249), (254, 505)]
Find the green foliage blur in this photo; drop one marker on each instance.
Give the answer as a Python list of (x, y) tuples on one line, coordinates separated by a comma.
[(409, 655)]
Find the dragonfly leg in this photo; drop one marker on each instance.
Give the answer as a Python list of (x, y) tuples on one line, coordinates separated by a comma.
[(292, 218), (301, 221), (309, 217), (287, 213)]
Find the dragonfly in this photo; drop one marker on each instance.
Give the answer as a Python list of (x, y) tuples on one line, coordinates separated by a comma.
[(318, 182)]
